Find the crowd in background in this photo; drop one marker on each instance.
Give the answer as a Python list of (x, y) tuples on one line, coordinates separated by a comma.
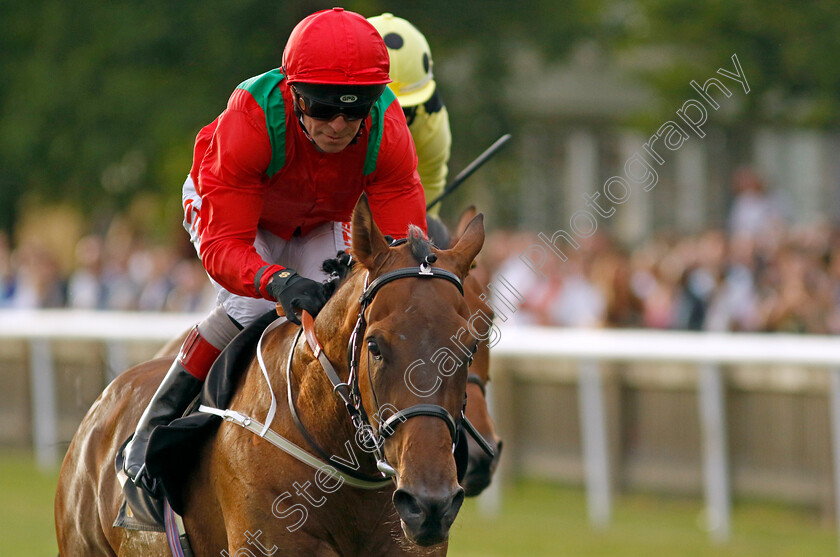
[(758, 274), (107, 275), (710, 281)]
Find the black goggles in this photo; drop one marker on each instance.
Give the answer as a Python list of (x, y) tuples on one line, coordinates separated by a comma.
[(325, 102), (320, 110)]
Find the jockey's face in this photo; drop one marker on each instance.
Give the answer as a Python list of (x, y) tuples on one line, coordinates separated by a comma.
[(331, 136)]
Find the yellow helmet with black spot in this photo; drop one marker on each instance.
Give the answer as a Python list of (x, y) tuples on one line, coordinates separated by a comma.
[(411, 75)]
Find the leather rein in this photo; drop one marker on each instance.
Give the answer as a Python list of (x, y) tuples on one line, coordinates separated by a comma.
[(349, 392)]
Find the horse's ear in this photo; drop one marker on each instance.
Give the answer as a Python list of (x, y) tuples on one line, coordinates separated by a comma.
[(464, 220), (368, 241), (468, 245)]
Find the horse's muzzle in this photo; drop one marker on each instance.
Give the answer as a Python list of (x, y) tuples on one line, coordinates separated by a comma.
[(480, 468), (427, 518)]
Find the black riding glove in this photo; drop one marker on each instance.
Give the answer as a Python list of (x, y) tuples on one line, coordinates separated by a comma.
[(295, 292)]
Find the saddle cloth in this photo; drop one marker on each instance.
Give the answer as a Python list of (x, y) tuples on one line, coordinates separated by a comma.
[(173, 449)]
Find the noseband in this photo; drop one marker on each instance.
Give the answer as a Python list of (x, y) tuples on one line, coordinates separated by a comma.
[(387, 426), (350, 394)]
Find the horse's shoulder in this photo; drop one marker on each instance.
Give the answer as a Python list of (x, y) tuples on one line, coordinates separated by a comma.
[(130, 389), (141, 377)]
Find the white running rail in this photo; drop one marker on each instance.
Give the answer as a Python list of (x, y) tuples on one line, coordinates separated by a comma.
[(589, 347)]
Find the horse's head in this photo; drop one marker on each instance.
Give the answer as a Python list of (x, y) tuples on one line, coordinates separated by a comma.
[(412, 365), (480, 465)]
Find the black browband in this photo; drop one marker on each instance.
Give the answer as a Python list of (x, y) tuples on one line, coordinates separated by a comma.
[(425, 271), (350, 394)]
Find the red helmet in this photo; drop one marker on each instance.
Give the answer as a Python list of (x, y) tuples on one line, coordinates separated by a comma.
[(336, 47)]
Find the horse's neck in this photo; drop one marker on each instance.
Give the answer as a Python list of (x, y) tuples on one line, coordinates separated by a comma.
[(334, 327), (327, 419), (338, 318)]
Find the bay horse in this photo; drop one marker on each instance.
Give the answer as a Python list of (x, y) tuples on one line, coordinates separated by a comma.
[(483, 460), (481, 463), (386, 324)]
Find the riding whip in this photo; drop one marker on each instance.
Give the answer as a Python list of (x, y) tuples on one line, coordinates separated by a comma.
[(472, 167)]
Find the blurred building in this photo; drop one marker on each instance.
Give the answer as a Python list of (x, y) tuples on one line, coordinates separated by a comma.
[(579, 121)]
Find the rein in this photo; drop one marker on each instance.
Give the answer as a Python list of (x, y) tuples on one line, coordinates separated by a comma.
[(479, 382), (387, 426), (350, 394), (291, 448), (348, 475), (342, 390)]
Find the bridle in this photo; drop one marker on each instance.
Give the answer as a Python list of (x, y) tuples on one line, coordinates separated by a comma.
[(388, 426), (350, 393), (475, 379)]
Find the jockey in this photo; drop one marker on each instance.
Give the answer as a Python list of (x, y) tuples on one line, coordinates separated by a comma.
[(412, 81), (272, 188)]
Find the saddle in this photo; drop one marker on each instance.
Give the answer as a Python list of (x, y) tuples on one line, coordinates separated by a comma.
[(179, 442)]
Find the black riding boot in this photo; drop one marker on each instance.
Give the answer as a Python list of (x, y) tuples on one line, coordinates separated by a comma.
[(170, 400)]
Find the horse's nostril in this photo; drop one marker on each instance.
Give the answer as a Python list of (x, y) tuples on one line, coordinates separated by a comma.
[(455, 505), (426, 519), (406, 504), (429, 508)]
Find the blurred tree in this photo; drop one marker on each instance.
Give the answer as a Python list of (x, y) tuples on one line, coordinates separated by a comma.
[(788, 51), (101, 101)]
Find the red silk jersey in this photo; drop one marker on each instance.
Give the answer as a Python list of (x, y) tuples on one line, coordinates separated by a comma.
[(231, 159)]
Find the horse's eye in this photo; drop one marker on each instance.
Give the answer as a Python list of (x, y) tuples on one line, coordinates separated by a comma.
[(373, 348)]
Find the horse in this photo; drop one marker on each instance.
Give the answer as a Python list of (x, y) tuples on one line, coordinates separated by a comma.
[(384, 333), (483, 457)]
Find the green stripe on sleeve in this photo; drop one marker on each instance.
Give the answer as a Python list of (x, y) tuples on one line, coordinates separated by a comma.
[(264, 88), (377, 118)]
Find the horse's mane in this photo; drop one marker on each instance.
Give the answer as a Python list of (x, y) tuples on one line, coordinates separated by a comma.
[(339, 267), (418, 243)]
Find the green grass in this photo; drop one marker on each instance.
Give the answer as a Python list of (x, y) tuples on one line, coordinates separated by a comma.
[(539, 519), (536, 519), (26, 507)]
